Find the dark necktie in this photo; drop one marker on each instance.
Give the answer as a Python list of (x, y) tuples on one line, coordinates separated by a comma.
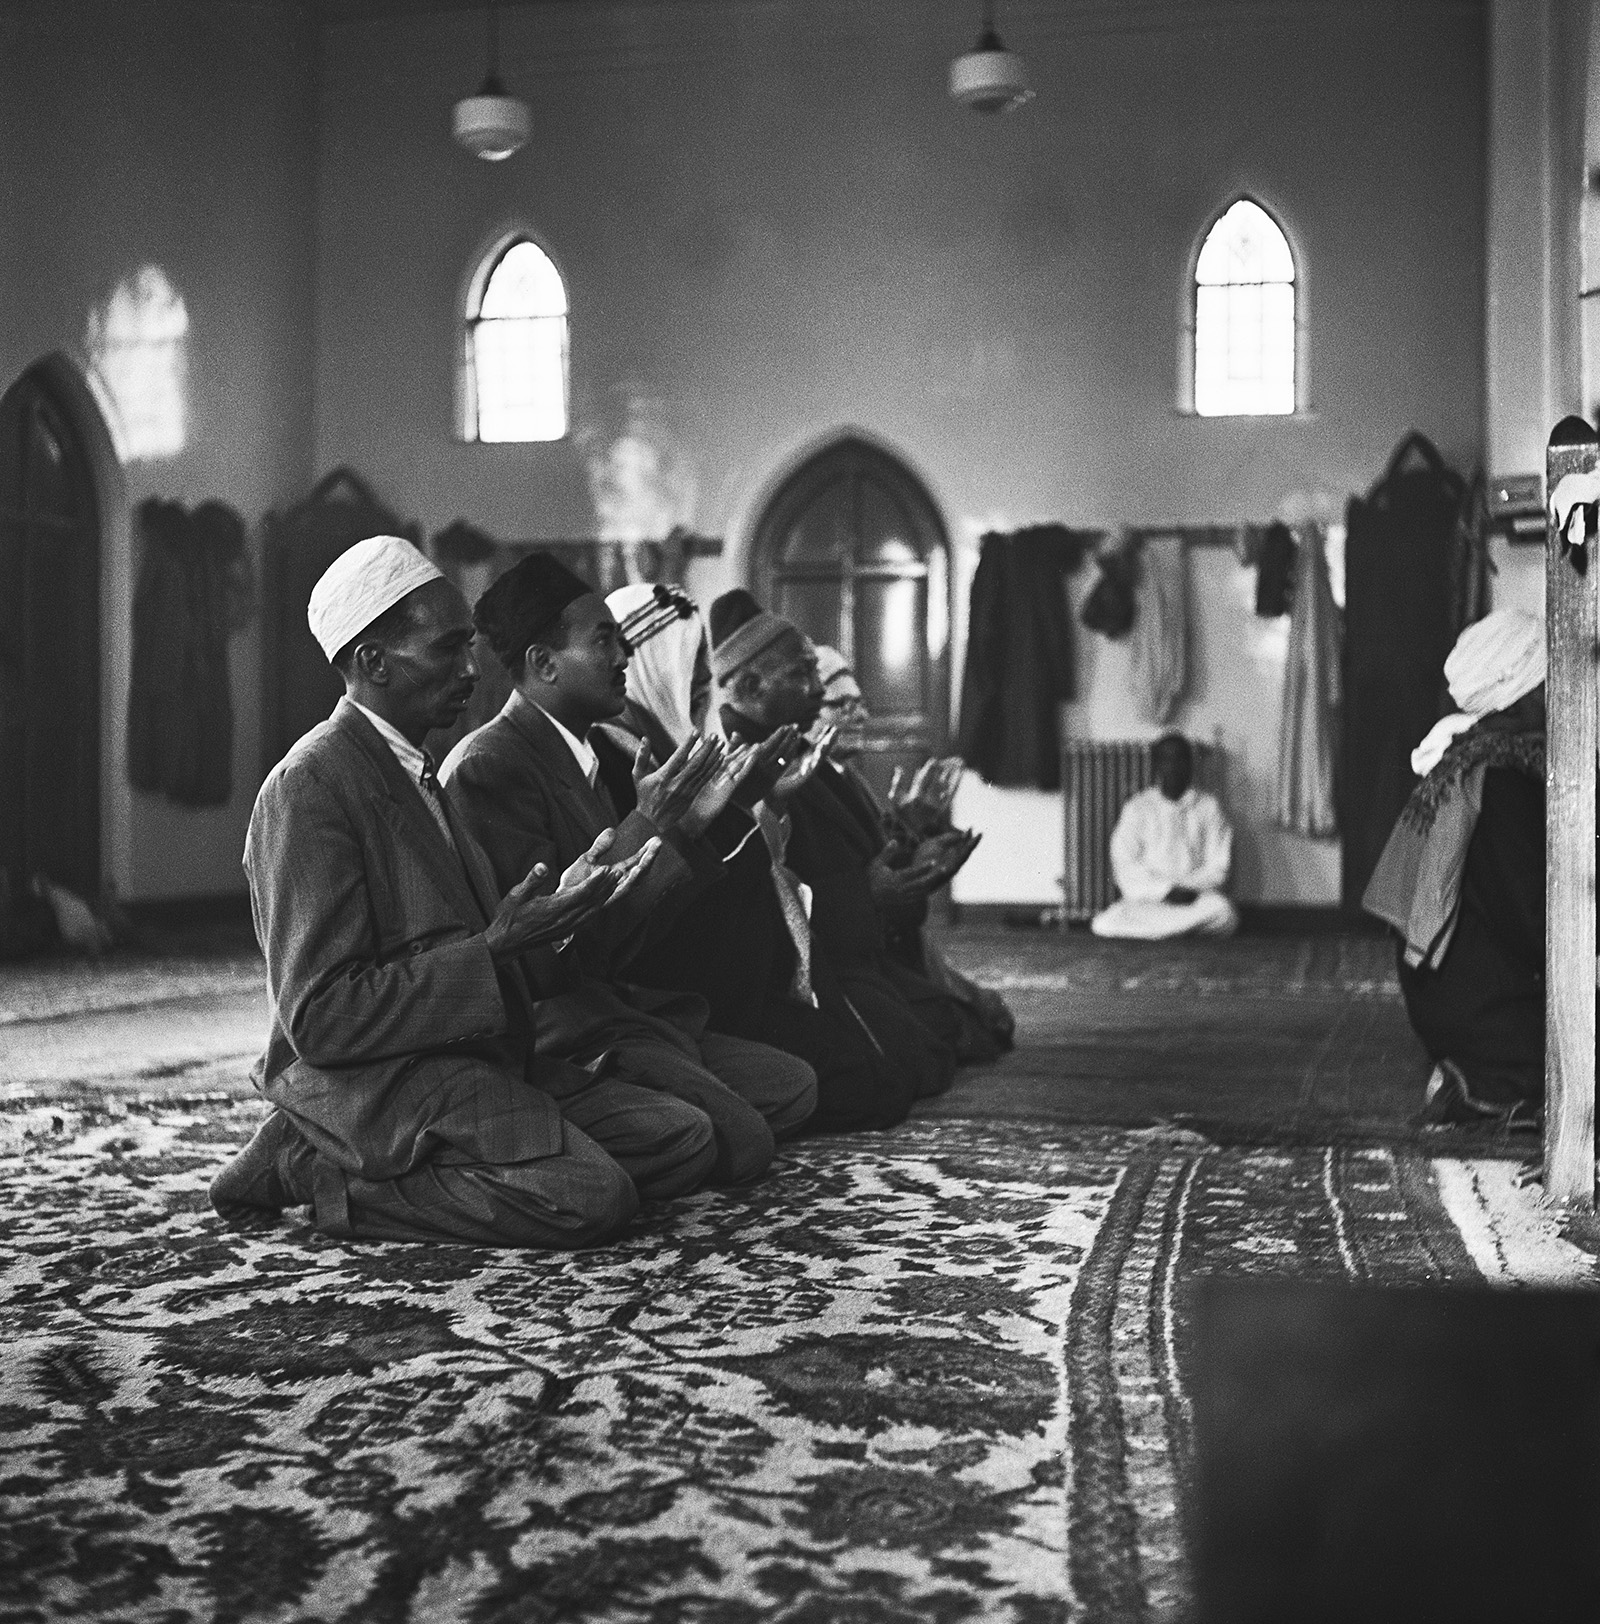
[(433, 795)]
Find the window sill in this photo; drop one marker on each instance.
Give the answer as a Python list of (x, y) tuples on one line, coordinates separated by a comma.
[(1307, 414)]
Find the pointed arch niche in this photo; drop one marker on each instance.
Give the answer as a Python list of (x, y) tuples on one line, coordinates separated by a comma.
[(62, 515), (852, 549)]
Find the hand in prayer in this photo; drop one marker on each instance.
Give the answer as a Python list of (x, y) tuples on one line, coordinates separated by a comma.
[(1181, 895), (798, 773), (747, 775), (626, 873), (532, 915), (923, 804), (947, 853), (667, 794), (899, 880)]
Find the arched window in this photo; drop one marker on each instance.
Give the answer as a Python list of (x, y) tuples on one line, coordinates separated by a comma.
[(137, 346), (516, 348), (1244, 317)]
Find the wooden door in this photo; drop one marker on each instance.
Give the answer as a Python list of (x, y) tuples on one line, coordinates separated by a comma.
[(49, 642), (853, 551)]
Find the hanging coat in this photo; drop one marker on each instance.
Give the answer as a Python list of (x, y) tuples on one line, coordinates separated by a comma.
[(1398, 628), (1160, 636), (192, 591), (1308, 730), (1019, 656)]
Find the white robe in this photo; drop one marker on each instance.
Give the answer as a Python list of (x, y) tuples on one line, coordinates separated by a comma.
[(1159, 844)]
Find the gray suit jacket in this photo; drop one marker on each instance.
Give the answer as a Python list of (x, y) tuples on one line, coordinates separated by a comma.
[(396, 1039), (527, 801)]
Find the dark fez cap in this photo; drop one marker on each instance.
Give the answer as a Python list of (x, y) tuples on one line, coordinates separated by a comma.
[(525, 601)]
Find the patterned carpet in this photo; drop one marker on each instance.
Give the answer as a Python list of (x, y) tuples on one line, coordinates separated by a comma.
[(934, 1375)]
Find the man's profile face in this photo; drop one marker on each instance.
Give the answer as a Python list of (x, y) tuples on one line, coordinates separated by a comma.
[(430, 665), (1173, 768), (590, 669), (844, 708), (791, 690)]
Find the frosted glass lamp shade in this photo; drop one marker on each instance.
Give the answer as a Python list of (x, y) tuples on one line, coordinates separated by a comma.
[(989, 78), (491, 124)]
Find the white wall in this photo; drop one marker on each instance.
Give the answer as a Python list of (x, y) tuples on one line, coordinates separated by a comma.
[(1537, 218), (179, 134), (775, 224)]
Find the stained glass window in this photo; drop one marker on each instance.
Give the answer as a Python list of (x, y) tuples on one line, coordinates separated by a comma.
[(1244, 317), (517, 349)]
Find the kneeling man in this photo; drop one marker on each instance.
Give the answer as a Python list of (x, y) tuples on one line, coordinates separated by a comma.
[(540, 781), (1170, 854), (410, 1104)]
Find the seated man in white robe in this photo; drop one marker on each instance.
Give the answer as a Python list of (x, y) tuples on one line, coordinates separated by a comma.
[(1170, 854)]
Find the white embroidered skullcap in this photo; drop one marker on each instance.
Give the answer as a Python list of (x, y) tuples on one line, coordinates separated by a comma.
[(1496, 661), (360, 584)]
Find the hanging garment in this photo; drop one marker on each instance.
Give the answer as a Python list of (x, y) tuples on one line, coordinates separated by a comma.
[(1108, 609), (1398, 628), (1019, 655), (301, 688), (194, 589), (1161, 628), (1275, 572), (1308, 731)]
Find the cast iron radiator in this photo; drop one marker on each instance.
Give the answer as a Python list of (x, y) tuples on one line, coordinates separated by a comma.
[(1098, 776)]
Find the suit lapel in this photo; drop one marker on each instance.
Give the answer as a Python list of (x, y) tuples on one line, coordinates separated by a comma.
[(406, 814), (582, 805)]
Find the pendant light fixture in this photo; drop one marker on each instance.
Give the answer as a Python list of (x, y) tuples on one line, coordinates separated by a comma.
[(492, 125), (989, 78)]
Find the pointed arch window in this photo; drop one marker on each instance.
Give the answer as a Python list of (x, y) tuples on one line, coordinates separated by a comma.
[(515, 362), (1245, 323)]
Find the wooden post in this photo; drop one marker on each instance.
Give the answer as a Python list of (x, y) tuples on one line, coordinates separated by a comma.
[(1570, 627)]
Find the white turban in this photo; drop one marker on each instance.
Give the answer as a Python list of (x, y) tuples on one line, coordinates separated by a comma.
[(1496, 661), (360, 584)]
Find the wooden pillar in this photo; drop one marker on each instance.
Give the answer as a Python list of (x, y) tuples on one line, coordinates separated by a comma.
[(1570, 621)]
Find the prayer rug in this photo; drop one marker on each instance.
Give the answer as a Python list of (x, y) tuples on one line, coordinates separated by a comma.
[(929, 1375)]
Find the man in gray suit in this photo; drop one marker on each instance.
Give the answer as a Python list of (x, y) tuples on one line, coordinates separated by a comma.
[(410, 1104), (540, 781)]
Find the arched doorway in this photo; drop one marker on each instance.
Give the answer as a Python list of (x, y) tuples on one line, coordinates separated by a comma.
[(853, 551), (49, 640)]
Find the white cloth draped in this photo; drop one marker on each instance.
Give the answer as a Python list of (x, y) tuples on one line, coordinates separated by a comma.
[(1160, 636), (1308, 726), (661, 669)]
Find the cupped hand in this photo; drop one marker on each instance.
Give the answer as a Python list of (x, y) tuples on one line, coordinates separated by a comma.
[(800, 771), (667, 794), (531, 914), (946, 854)]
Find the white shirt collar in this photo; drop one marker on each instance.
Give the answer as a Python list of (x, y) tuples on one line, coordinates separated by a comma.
[(405, 752), (582, 751)]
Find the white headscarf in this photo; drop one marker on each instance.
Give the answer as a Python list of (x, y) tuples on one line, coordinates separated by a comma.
[(1495, 662), (661, 671)]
